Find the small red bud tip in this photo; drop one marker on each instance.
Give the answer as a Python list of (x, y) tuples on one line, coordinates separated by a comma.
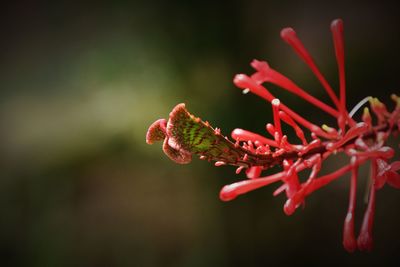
[(277, 121), (288, 34), (270, 128), (337, 25), (290, 37), (220, 163), (280, 189), (365, 242), (239, 169), (338, 39), (243, 81), (349, 240), (228, 193), (289, 207), (239, 134), (276, 102), (259, 65)]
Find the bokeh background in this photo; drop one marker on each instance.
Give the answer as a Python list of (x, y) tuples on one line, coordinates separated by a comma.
[(80, 84)]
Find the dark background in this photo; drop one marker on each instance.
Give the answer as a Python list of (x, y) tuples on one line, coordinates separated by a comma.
[(80, 84)]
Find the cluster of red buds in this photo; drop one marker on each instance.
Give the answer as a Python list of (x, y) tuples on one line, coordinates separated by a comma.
[(185, 135)]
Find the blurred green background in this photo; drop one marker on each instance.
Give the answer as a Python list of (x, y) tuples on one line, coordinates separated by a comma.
[(81, 83)]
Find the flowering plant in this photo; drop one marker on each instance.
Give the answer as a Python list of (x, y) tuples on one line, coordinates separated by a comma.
[(184, 135)]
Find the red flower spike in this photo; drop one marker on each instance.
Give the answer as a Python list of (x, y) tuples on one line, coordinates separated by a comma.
[(231, 191), (297, 198), (349, 239), (365, 240), (338, 40), (290, 37), (270, 129), (291, 182), (243, 135), (185, 135), (326, 179), (353, 132), (299, 132), (267, 74), (277, 121), (245, 82)]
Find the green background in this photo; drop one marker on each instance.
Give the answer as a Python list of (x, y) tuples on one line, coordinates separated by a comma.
[(80, 84)]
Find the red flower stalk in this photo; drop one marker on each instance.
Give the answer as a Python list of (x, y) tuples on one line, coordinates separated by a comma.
[(185, 135)]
